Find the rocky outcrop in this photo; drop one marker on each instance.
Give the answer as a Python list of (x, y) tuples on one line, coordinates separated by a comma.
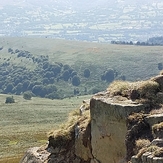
[(110, 129)]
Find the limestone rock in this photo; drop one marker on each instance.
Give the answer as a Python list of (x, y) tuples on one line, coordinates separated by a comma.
[(35, 155), (108, 127), (154, 119), (105, 137)]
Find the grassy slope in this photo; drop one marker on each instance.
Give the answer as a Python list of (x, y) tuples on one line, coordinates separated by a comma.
[(135, 62), (25, 123)]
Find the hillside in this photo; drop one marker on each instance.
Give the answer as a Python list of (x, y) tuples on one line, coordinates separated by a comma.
[(123, 124), (60, 65), (25, 123)]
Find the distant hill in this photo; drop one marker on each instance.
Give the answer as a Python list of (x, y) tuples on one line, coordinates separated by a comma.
[(59, 68)]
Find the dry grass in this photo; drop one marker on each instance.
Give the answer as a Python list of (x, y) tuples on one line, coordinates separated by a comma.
[(136, 117), (141, 143), (158, 152), (145, 90), (119, 88), (151, 149), (148, 89), (65, 133), (157, 127)]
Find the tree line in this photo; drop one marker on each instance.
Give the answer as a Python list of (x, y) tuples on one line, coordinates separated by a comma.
[(47, 79)]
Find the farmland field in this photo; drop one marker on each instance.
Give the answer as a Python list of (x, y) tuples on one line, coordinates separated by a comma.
[(25, 123)]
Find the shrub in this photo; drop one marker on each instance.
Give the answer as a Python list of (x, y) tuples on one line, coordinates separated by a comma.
[(9, 100), (27, 95)]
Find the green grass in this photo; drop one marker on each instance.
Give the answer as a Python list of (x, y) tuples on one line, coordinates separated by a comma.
[(25, 123), (135, 62)]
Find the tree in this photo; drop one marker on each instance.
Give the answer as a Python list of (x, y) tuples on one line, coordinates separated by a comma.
[(9, 100), (25, 85), (66, 75), (38, 90), (56, 69), (49, 74), (87, 73), (19, 88), (75, 81), (160, 66), (73, 73), (9, 88), (108, 75)]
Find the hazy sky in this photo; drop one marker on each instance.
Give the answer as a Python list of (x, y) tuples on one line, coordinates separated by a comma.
[(75, 2)]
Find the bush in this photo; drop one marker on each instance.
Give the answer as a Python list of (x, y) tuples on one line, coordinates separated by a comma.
[(27, 95), (9, 100)]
